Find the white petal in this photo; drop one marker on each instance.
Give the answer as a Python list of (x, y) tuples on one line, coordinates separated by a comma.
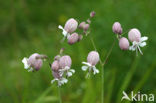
[(132, 48), (72, 70), (86, 63), (140, 50), (95, 70), (25, 62), (52, 81), (84, 68), (142, 44), (144, 38), (64, 32), (60, 27), (63, 80), (30, 70), (69, 74)]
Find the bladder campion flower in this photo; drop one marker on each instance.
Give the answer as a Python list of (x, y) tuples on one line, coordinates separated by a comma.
[(124, 43), (92, 60), (70, 27), (60, 68), (65, 65), (34, 62), (134, 36), (57, 75)]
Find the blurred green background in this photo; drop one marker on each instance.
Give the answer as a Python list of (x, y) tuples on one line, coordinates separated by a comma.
[(29, 26)]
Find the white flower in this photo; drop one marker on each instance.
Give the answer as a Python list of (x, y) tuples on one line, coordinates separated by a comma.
[(64, 32), (26, 65), (136, 45), (61, 81), (69, 72), (90, 68)]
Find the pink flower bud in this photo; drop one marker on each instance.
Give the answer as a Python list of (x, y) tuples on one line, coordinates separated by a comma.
[(34, 62), (65, 61), (55, 65), (93, 58), (124, 43), (134, 35), (81, 25), (71, 25), (117, 29), (73, 38), (92, 14), (86, 27)]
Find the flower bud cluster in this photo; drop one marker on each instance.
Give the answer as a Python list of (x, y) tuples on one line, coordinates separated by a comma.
[(71, 25)]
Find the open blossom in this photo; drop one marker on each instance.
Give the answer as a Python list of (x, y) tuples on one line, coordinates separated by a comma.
[(117, 29), (70, 27), (124, 43), (92, 60), (73, 38), (134, 36), (34, 62), (60, 68)]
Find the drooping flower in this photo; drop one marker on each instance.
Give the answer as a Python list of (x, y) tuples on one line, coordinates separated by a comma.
[(70, 27), (65, 65), (73, 38), (34, 62), (92, 60), (61, 68), (117, 29), (57, 75), (134, 36), (124, 43)]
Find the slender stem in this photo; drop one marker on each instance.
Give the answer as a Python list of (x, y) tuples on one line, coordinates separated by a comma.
[(102, 67), (59, 93)]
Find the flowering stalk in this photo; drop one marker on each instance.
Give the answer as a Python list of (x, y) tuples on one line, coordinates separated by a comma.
[(102, 67)]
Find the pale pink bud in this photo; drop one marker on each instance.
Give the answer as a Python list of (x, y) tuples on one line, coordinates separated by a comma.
[(93, 58), (65, 61), (34, 62), (86, 27), (73, 38), (134, 35), (71, 25), (117, 29), (92, 14), (81, 25), (55, 65), (124, 43)]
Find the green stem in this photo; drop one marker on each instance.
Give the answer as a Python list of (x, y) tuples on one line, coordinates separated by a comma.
[(102, 67), (59, 93)]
